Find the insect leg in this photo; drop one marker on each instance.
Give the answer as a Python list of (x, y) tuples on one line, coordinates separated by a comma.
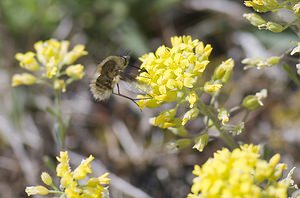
[(135, 99), (131, 99)]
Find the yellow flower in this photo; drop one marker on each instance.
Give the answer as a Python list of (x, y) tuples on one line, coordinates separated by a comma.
[(83, 169), (27, 61), (63, 166), (239, 173), (103, 179), (53, 54), (211, 87), (36, 190), (166, 119), (223, 115), (192, 98), (51, 50), (201, 141), (190, 115), (70, 186), (51, 68), (73, 55), (172, 72), (75, 71), (23, 79)]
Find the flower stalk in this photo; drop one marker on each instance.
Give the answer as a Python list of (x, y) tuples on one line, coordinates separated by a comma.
[(224, 135)]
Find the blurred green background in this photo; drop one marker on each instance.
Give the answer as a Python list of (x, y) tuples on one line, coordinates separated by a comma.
[(115, 131)]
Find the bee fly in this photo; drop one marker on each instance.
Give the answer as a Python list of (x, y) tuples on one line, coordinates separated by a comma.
[(107, 75)]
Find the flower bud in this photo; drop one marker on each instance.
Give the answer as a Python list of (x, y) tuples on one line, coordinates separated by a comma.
[(254, 19), (46, 178), (252, 102), (223, 72), (23, 79), (274, 27), (201, 141), (75, 71), (274, 60), (179, 144), (274, 160), (36, 190), (207, 50), (190, 115), (251, 61), (179, 131)]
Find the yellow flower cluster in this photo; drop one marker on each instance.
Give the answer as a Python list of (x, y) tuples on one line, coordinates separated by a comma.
[(172, 74), (70, 184), (49, 60), (240, 173)]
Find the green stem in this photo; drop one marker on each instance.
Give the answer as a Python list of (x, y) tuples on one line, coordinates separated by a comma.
[(61, 130), (56, 192), (246, 116), (225, 136), (54, 187), (234, 109), (291, 74)]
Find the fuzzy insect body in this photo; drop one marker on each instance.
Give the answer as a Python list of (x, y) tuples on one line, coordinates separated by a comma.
[(107, 76)]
